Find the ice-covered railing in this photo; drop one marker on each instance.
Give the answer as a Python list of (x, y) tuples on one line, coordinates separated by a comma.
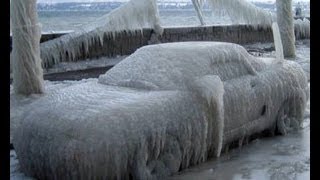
[(302, 28), (131, 17), (241, 11)]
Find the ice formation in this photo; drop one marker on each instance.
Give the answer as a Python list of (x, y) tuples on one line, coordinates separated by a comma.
[(138, 14), (242, 11), (162, 109), (197, 4), (277, 41), (286, 27), (26, 33), (302, 28), (130, 17)]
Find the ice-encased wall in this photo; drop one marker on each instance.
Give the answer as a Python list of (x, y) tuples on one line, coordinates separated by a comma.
[(163, 109), (130, 17), (26, 33)]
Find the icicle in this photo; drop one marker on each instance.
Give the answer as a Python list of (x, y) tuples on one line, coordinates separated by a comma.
[(131, 17), (197, 4), (277, 42), (302, 28), (242, 11)]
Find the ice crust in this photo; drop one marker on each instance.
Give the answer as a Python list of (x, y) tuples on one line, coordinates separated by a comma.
[(164, 108), (25, 57), (131, 17)]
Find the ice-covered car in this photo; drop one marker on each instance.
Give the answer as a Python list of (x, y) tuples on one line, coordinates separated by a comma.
[(162, 109)]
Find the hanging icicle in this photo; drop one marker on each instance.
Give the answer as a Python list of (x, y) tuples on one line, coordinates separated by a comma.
[(241, 11), (198, 4), (277, 42), (131, 17)]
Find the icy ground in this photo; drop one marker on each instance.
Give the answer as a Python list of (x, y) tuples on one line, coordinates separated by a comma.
[(276, 158)]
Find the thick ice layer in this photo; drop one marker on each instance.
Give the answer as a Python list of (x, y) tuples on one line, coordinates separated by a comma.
[(286, 27), (164, 108), (26, 33), (131, 17)]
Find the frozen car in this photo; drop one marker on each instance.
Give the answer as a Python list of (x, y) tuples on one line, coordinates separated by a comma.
[(162, 109)]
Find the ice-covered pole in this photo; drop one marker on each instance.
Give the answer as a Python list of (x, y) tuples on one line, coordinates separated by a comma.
[(285, 22), (26, 33), (197, 4)]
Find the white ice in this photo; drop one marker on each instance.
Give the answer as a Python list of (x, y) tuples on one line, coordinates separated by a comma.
[(130, 17), (131, 112)]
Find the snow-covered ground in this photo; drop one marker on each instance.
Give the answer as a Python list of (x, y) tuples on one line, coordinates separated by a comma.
[(280, 157)]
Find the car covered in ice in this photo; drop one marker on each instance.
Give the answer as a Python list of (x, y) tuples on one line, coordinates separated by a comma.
[(164, 108)]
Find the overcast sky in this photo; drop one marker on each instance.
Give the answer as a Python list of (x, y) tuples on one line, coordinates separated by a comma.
[(57, 1)]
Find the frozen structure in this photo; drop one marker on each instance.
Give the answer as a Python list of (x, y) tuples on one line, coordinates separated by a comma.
[(162, 109), (197, 4), (130, 18), (25, 57), (286, 27), (302, 28), (242, 11), (277, 42)]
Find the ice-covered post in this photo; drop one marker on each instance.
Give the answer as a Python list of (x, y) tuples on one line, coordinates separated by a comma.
[(285, 22), (26, 33), (197, 6)]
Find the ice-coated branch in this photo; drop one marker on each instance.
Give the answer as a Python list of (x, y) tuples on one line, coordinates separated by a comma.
[(26, 33)]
